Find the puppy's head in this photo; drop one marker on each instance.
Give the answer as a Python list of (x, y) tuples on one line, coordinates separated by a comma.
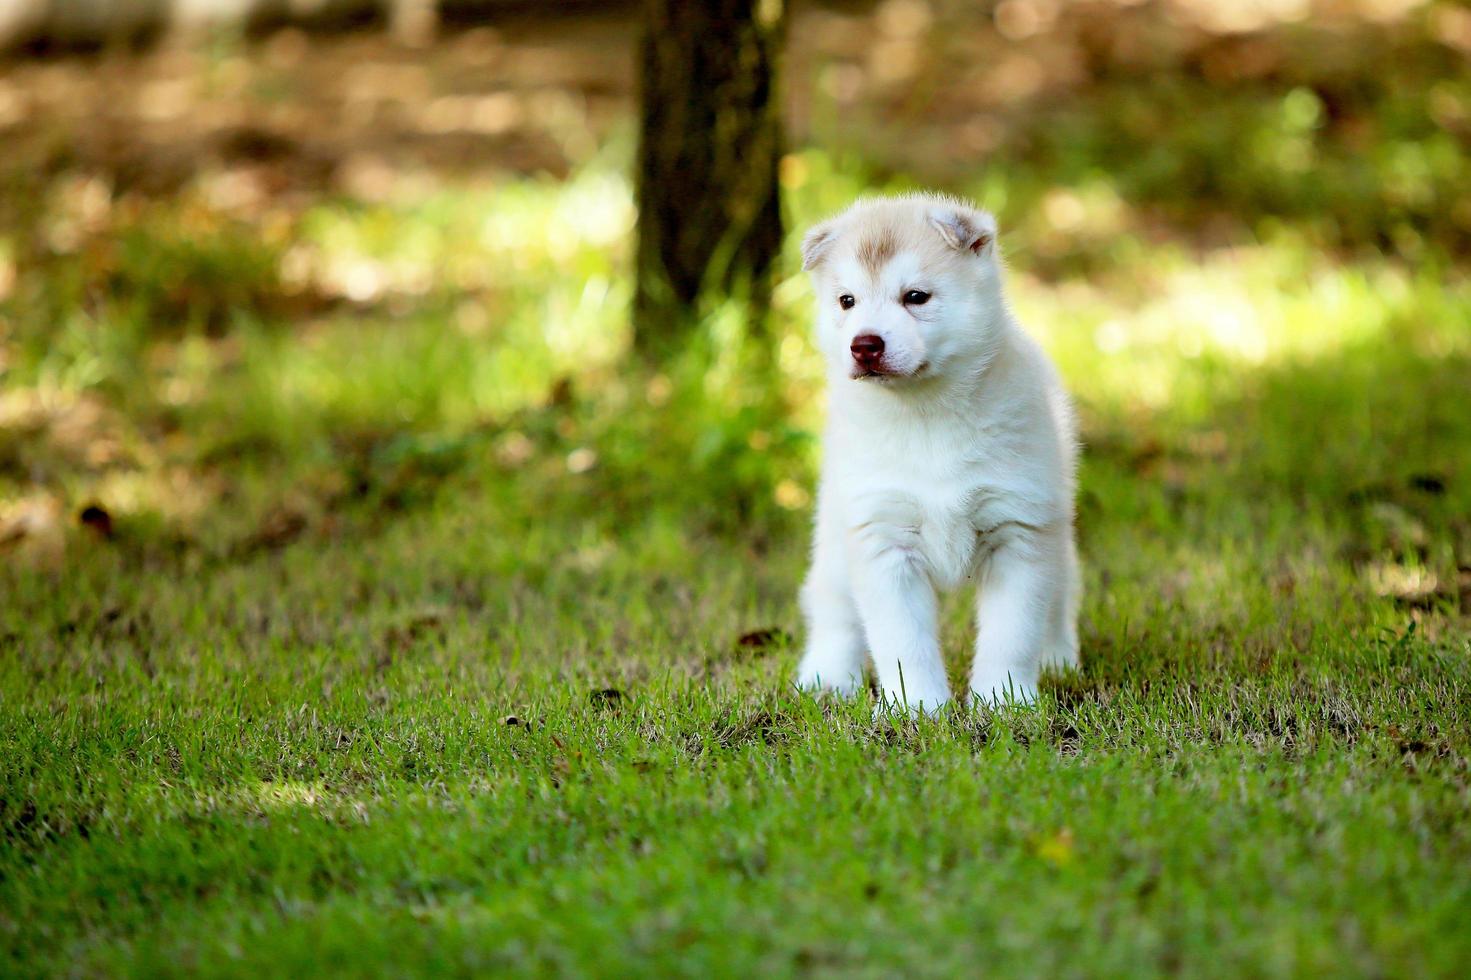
[(907, 288)]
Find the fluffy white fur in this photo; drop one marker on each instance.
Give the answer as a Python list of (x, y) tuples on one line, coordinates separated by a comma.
[(950, 460)]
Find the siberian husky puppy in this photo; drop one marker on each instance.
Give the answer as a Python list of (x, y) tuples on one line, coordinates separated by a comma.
[(948, 458)]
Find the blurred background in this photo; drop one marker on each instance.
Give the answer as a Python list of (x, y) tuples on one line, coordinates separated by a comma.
[(280, 271)]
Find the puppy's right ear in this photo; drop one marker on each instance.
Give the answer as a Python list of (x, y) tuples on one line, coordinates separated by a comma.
[(816, 244), (964, 228)]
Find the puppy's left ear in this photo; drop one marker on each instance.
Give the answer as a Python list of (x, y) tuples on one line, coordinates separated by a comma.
[(815, 245), (965, 229)]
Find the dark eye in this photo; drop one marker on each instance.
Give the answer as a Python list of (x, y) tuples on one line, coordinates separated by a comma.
[(846, 301), (916, 297)]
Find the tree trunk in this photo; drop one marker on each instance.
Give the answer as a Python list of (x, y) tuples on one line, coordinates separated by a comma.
[(710, 142)]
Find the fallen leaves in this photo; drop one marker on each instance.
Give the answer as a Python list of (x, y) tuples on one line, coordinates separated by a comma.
[(608, 698), (1058, 849), (763, 640), (97, 519), (280, 526)]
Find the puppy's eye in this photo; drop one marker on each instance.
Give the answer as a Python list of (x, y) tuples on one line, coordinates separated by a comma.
[(846, 301), (916, 297)]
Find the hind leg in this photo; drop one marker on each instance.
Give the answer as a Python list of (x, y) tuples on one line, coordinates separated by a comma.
[(1060, 649)]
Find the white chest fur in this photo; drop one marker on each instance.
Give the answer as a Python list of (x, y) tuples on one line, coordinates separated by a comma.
[(947, 487)]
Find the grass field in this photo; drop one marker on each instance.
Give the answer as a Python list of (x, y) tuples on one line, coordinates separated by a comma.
[(363, 611)]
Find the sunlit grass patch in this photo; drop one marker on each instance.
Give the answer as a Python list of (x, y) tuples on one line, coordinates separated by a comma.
[(495, 314), (1171, 332)]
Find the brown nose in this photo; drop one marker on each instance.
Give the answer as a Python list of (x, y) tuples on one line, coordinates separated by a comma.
[(867, 349)]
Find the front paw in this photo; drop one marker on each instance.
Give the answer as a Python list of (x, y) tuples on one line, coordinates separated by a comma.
[(911, 703), (817, 674), (999, 688)]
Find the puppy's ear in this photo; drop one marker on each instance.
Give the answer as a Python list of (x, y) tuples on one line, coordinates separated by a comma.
[(816, 244), (963, 228)]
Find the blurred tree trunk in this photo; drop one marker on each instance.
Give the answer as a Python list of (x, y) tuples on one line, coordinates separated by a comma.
[(710, 141), (413, 22)]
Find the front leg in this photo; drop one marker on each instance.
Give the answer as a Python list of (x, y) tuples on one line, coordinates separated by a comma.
[(833, 660), (896, 601), (1014, 608)]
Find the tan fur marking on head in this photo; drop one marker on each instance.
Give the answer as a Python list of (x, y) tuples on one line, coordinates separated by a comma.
[(872, 231), (877, 249)]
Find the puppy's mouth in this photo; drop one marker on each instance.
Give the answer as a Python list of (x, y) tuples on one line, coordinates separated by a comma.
[(883, 375)]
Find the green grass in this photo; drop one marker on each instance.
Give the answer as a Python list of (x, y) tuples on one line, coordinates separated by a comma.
[(415, 641)]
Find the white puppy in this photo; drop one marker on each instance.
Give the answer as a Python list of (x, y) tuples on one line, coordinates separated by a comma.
[(949, 456)]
